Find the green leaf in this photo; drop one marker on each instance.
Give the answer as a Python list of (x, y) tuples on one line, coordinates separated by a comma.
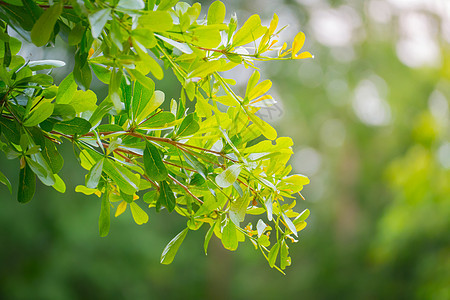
[(76, 34), (172, 247), (27, 184), (43, 28), (194, 163), (66, 90), (159, 120), (41, 113), (229, 176), (166, 4), (141, 97), (131, 4), (272, 257), (238, 208), (124, 178), (102, 73), (229, 236), (208, 237), (250, 31), (166, 196), (94, 175), (11, 130), (216, 13), (84, 101), (59, 185), (289, 224), (183, 47), (285, 260), (158, 21), (38, 65), (40, 167), (5, 181), (98, 21), (155, 101), (76, 126), (205, 69), (139, 215), (143, 80), (104, 218), (188, 126), (154, 166), (82, 74), (268, 131)]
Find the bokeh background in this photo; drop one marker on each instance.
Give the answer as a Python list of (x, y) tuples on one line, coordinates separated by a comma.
[(370, 120)]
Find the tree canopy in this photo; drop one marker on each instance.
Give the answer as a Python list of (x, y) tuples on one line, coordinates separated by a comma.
[(206, 155)]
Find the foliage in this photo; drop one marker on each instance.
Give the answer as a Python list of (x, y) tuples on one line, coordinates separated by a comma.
[(211, 165)]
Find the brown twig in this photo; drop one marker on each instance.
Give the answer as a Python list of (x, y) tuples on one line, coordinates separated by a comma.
[(185, 188)]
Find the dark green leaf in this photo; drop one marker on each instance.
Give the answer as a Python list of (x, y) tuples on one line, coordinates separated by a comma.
[(104, 218), (166, 196), (76, 126), (65, 111), (27, 185), (154, 166), (11, 130), (172, 247), (82, 74)]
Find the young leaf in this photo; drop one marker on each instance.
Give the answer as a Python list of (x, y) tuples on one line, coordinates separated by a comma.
[(121, 208), (154, 166), (94, 175), (104, 218), (250, 31), (27, 184), (166, 196), (216, 13), (139, 215), (285, 260), (172, 247), (158, 21), (149, 106), (229, 176), (43, 28)]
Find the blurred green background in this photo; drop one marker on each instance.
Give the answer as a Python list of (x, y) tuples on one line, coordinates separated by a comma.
[(370, 120)]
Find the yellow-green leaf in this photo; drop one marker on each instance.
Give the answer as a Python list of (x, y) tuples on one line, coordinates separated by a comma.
[(172, 247), (139, 215)]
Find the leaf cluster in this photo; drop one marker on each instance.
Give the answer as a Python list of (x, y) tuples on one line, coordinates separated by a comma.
[(213, 165)]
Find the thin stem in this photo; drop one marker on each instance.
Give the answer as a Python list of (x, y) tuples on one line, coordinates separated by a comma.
[(185, 188)]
